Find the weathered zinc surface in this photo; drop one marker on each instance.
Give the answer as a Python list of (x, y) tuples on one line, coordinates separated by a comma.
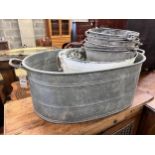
[(78, 97)]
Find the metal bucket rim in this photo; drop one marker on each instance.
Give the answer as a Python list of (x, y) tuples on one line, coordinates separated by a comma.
[(112, 40), (87, 43), (134, 33), (100, 62), (79, 73), (108, 51)]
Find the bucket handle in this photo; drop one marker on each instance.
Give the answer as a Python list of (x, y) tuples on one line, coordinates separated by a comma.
[(86, 33), (141, 51), (15, 65)]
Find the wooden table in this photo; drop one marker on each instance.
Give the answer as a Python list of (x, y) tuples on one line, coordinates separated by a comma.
[(21, 119), (18, 92)]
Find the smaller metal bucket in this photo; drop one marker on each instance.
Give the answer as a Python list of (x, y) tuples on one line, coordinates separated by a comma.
[(103, 42), (111, 49), (100, 47), (109, 61), (111, 56)]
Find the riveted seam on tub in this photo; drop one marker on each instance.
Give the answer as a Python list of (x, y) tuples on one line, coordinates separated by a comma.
[(84, 105), (90, 83)]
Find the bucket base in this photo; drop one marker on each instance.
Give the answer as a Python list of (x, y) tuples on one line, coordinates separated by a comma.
[(85, 120)]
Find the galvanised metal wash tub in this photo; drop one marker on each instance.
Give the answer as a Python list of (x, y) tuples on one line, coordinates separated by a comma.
[(77, 97)]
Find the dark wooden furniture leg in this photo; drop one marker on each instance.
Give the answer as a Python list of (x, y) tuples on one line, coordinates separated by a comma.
[(8, 74), (1, 117), (147, 123)]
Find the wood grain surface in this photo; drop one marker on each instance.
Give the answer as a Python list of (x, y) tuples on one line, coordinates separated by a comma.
[(21, 119), (147, 84)]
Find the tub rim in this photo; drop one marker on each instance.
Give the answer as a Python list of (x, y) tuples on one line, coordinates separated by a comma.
[(25, 66)]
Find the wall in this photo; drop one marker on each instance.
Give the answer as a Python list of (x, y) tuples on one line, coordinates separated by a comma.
[(146, 28), (9, 30), (81, 27), (112, 23), (27, 32), (39, 28)]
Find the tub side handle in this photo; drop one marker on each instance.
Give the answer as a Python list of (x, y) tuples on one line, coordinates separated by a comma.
[(18, 63)]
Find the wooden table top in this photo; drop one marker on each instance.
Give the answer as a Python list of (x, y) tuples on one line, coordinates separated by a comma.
[(151, 105), (147, 84), (5, 55), (21, 119)]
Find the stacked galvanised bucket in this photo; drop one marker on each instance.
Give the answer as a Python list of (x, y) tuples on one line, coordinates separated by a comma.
[(107, 42), (104, 48)]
